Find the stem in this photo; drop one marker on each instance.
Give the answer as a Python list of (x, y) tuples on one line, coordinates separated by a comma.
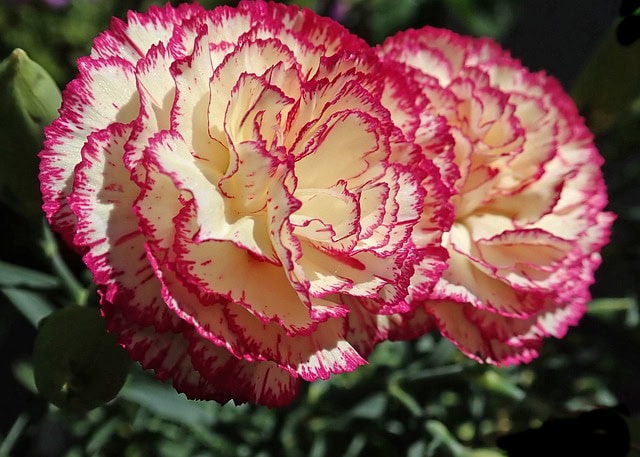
[(404, 398), (13, 435), (434, 373), (78, 293)]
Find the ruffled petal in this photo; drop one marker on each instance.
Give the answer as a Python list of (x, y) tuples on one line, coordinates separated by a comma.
[(132, 39), (103, 93), (107, 228)]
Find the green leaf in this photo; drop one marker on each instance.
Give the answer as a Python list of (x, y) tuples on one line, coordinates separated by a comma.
[(16, 430), (311, 4), (492, 19), (497, 382), (356, 446), (23, 372), (319, 446), (610, 305), (16, 276), (103, 435), (484, 453), (77, 293), (634, 431), (417, 449), (385, 21), (434, 373), (610, 308), (443, 352), (32, 305), (163, 400), (371, 408), (178, 448), (405, 399), (392, 354), (443, 436)]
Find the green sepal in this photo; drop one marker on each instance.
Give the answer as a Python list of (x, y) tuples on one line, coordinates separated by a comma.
[(77, 365)]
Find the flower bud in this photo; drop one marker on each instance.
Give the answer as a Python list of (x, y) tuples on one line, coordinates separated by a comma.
[(30, 101), (609, 85)]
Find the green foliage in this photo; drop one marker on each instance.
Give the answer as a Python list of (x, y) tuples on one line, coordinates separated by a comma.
[(374, 20)]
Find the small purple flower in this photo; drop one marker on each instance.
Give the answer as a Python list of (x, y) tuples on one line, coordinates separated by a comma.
[(339, 10), (56, 3)]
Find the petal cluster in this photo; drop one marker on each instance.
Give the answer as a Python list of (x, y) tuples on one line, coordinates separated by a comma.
[(259, 196), (529, 198), (262, 197)]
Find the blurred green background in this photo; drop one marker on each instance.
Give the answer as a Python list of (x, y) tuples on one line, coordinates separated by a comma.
[(414, 399)]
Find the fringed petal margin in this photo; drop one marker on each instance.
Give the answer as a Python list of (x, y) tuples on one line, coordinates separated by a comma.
[(103, 93), (132, 39), (242, 381), (478, 343), (201, 370), (107, 229)]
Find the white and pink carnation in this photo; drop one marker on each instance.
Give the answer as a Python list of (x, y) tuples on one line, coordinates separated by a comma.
[(260, 199), (529, 199)]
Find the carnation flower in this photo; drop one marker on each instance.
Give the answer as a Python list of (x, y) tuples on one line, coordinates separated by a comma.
[(257, 196), (529, 200)]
